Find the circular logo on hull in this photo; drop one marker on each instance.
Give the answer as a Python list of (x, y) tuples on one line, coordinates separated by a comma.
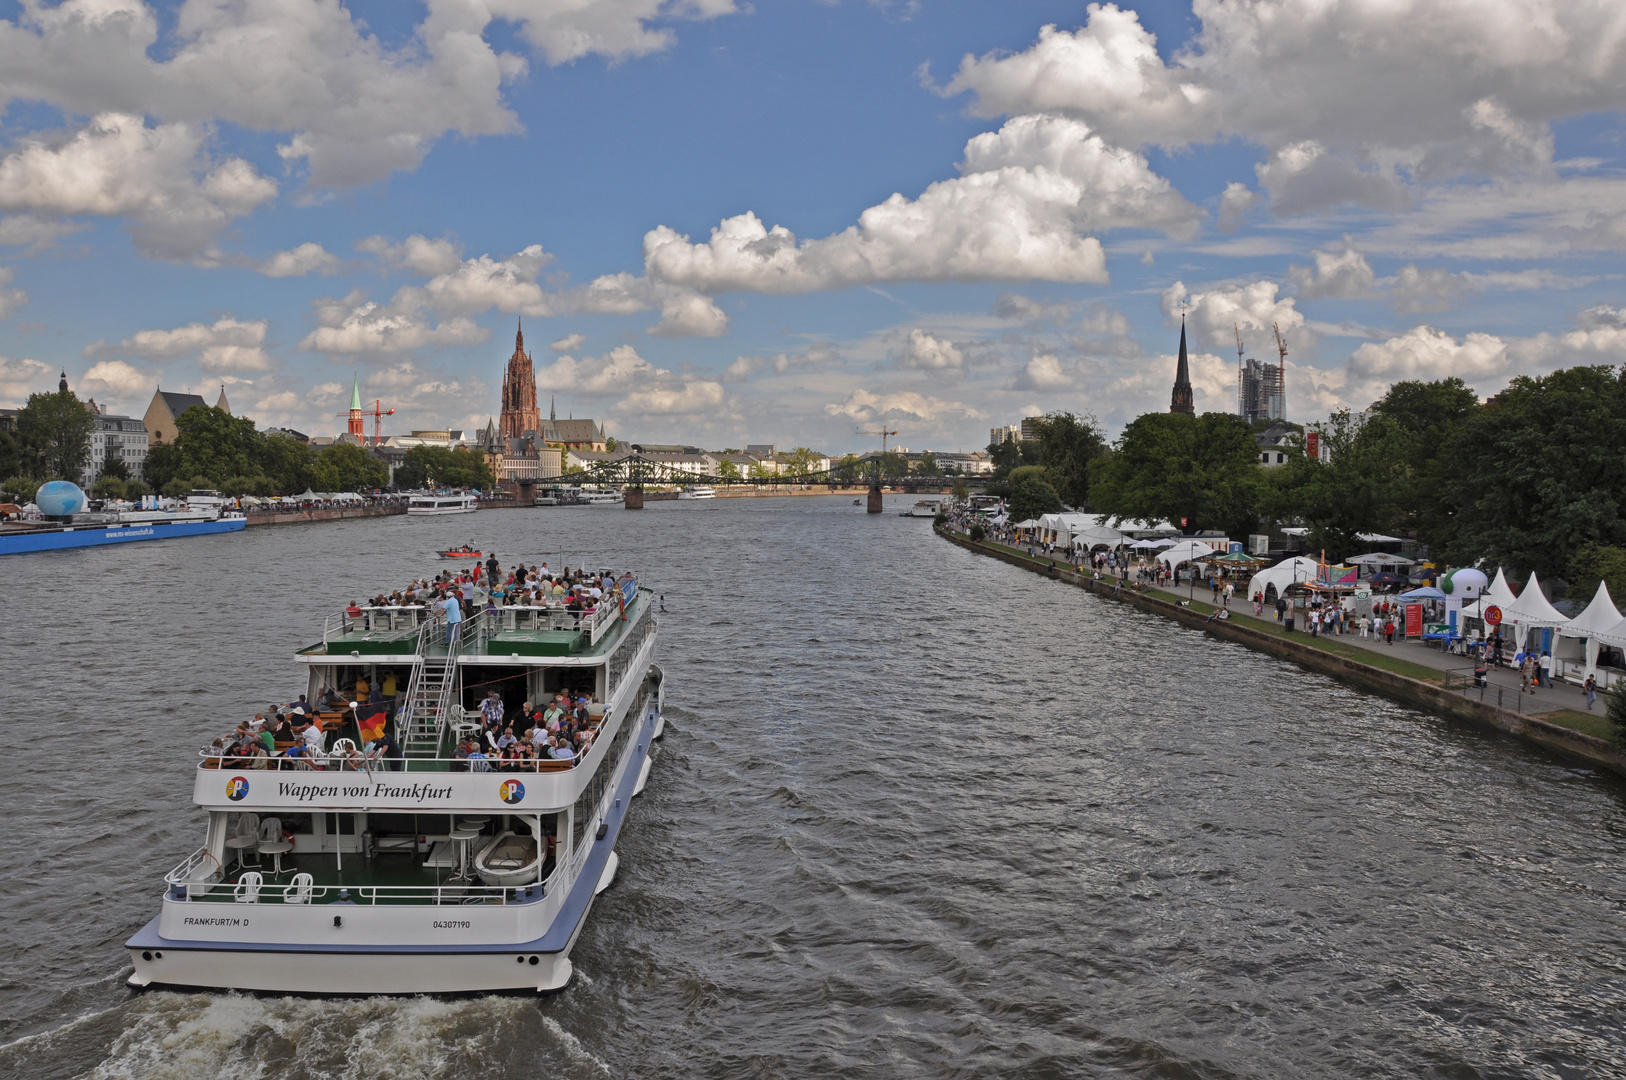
[(512, 791), (237, 789)]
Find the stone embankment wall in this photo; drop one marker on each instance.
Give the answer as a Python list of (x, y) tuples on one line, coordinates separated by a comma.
[(1399, 688), (299, 517)]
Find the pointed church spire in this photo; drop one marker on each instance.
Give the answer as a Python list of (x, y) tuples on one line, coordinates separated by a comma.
[(1180, 401), (355, 393), (519, 336), (552, 416)]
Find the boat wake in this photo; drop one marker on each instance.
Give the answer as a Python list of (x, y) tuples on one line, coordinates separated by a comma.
[(174, 1036)]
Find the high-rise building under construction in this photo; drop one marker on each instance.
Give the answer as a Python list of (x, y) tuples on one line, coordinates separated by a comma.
[(1261, 388)]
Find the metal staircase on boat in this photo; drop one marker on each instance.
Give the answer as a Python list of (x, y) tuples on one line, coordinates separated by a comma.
[(429, 693)]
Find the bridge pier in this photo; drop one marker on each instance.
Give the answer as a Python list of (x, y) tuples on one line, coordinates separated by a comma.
[(634, 498), (874, 499)]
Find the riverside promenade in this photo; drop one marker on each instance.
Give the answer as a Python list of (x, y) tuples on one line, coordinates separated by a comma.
[(1411, 674)]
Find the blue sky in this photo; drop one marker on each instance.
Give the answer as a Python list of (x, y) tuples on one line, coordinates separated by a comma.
[(989, 218)]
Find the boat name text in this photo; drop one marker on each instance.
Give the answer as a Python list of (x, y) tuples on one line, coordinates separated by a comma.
[(219, 921), (414, 792), (452, 924)]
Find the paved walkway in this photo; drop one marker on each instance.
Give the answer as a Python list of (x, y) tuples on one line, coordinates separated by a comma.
[(1561, 695)]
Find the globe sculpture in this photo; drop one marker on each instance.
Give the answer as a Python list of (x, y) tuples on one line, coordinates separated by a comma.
[(60, 498), (1465, 584)]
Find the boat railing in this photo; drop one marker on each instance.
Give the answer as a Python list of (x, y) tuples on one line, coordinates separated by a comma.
[(199, 868), (391, 621), (295, 894)]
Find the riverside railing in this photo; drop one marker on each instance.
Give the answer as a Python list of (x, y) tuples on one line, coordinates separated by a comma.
[(1477, 687)]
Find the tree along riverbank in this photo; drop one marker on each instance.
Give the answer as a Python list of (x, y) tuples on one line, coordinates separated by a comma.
[(1390, 677)]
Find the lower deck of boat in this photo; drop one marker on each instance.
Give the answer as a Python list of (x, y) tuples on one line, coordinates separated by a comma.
[(432, 878)]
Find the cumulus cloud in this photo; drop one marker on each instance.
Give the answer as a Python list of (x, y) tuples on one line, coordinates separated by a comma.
[(1015, 306), (352, 108), (355, 325), (462, 286), (1342, 274), (19, 378), (117, 378), (175, 197), (1026, 196), (926, 352), (19, 229), (228, 344), (1332, 90), (1345, 274), (1235, 203), (691, 397), (690, 314), (1042, 372), (865, 407), (305, 259), (568, 343), (417, 252), (1214, 313), (816, 357), (10, 299), (619, 370)]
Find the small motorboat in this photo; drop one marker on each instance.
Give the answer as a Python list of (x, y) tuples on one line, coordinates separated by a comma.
[(507, 861), (464, 552)]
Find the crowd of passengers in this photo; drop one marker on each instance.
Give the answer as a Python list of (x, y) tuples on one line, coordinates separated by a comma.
[(520, 586), (291, 736), (563, 730)]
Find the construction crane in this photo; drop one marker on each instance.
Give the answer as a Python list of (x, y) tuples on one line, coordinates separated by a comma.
[(379, 412), (883, 433), (1281, 366)]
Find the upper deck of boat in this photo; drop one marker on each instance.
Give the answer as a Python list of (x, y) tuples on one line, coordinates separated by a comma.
[(512, 634)]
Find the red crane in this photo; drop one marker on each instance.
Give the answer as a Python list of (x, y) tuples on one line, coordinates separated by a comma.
[(379, 412)]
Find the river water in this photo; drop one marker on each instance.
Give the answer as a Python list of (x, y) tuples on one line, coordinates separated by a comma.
[(918, 814)]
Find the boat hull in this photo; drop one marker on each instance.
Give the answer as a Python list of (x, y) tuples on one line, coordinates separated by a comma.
[(102, 535)]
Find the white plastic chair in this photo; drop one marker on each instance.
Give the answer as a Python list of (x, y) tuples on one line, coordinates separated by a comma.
[(246, 837), (298, 891), (248, 888)]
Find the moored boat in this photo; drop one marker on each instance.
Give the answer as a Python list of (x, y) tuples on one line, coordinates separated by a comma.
[(698, 491), (454, 503), (71, 526)]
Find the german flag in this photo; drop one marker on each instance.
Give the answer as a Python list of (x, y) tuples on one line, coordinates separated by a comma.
[(370, 722)]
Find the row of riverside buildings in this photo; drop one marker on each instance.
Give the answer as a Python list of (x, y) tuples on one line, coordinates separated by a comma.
[(522, 448)]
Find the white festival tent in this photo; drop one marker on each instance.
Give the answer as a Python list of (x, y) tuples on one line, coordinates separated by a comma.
[(1531, 611), (1297, 570), (1184, 552), (1500, 594), (1600, 623), (1097, 536)]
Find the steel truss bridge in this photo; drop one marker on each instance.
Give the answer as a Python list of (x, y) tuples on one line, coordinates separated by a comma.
[(636, 472)]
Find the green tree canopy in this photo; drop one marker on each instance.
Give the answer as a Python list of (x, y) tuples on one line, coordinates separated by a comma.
[(1169, 466), (349, 467), (1032, 495), (53, 431), (1536, 472), (1067, 445), (443, 467)]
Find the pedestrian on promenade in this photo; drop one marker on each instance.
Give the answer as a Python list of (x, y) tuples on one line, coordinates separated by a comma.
[(1389, 631), (1591, 687), (1526, 673), (1314, 619), (1546, 669)]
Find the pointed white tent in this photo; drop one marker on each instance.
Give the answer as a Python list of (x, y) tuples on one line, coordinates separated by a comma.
[(1499, 594), (1600, 617), (1531, 610)]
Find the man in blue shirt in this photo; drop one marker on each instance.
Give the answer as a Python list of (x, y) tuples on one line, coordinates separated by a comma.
[(454, 616)]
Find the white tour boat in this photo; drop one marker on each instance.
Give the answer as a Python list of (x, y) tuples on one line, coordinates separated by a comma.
[(423, 872), (601, 497), (925, 508), (698, 491), (443, 504)]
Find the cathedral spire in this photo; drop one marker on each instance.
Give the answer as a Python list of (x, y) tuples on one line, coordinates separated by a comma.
[(519, 335), (1180, 400), (519, 411)]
